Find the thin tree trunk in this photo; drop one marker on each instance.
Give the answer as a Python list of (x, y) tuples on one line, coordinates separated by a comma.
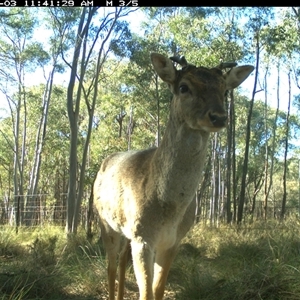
[(91, 108), (158, 112), (248, 136), (23, 152), (73, 120), (16, 163), (266, 175), (286, 151), (74, 200), (229, 159), (213, 180), (130, 128), (234, 177), (40, 138), (274, 128), (19, 157)]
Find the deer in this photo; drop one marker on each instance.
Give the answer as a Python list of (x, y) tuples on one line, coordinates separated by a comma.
[(146, 198)]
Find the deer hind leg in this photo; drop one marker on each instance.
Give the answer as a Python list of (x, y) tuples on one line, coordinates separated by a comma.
[(112, 242), (162, 265), (123, 259), (142, 256)]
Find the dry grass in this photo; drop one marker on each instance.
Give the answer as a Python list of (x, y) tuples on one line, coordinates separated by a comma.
[(261, 261)]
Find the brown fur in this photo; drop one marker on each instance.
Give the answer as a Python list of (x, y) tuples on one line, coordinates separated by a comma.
[(146, 198)]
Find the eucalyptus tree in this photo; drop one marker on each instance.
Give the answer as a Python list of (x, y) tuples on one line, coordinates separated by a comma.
[(6, 167), (257, 20), (20, 55), (95, 29), (55, 43), (283, 48), (54, 164)]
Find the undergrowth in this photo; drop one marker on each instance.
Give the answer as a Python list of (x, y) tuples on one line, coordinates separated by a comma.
[(261, 261)]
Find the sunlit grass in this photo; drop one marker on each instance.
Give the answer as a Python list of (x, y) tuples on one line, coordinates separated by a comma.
[(42, 263), (261, 261)]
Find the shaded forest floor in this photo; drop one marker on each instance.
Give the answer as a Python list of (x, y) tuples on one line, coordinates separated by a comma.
[(258, 261)]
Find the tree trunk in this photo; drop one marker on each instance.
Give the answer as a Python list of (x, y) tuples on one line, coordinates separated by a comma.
[(40, 138), (215, 193), (229, 157), (286, 151), (266, 175), (274, 128), (248, 136), (234, 177), (73, 120), (74, 199), (19, 153), (16, 163)]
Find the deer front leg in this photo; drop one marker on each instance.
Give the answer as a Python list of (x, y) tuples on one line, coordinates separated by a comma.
[(162, 265), (142, 256)]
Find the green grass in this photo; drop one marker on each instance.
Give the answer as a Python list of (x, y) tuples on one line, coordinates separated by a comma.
[(44, 264), (261, 261), (258, 262)]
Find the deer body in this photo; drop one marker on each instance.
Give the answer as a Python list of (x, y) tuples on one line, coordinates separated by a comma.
[(146, 198)]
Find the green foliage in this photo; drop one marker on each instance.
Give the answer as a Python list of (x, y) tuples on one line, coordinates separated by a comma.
[(123, 35), (130, 90)]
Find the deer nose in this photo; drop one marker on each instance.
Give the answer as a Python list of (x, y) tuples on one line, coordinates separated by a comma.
[(217, 120)]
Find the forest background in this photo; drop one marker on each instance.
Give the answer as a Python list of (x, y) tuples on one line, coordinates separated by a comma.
[(77, 85)]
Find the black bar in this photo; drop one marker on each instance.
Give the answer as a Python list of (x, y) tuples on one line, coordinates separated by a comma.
[(95, 3)]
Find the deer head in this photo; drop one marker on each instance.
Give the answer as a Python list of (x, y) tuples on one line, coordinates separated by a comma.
[(199, 92)]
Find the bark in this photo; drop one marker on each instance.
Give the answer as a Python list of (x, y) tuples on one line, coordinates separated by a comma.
[(39, 143), (248, 136), (229, 159), (266, 151), (286, 150), (119, 118), (274, 128), (73, 120), (234, 177), (212, 183), (158, 136), (76, 189), (19, 152), (16, 162)]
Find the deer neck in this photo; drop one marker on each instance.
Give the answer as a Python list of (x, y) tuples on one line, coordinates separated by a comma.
[(179, 161)]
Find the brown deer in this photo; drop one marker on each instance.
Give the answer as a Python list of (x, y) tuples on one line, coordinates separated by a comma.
[(145, 198)]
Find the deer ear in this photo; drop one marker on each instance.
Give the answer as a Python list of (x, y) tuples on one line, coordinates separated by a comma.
[(237, 75), (163, 67)]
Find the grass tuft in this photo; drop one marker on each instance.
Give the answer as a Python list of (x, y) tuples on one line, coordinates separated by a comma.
[(260, 261), (257, 262)]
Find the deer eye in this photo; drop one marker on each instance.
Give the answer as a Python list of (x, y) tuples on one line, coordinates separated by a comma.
[(183, 88)]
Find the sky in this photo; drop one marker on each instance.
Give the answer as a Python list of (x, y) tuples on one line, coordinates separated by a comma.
[(135, 20)]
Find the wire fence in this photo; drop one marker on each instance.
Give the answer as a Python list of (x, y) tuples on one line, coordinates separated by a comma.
[(36, 210), (42, 209)]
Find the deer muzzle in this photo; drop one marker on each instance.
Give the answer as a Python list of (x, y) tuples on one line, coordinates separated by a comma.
[(217, 120)]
